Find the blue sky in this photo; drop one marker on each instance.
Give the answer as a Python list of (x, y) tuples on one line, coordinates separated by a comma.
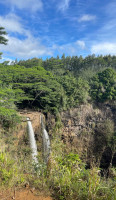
[(45, 28)]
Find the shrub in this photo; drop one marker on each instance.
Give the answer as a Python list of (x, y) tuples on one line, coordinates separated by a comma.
[(69, 179), (8, 117), (103, 86)]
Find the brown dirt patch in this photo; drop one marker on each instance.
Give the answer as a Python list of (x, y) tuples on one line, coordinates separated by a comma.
[(23, 194)]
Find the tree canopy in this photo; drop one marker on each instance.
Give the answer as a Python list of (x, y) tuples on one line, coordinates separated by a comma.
[(103, 86), (57, 84)]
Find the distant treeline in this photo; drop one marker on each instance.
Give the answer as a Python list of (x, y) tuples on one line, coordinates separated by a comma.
[(57, 84)]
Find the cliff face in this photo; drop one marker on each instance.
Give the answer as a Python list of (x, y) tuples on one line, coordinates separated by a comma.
[(86, 117), (88, 130)]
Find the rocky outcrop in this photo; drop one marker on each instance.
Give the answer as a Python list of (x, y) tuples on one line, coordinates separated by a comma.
[(87, 130), (85, 118)]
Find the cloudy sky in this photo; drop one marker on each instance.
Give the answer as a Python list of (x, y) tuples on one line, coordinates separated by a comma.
[(45, 28)]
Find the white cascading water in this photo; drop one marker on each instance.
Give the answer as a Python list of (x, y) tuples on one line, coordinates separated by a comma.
[(46, 141), (32, 141)]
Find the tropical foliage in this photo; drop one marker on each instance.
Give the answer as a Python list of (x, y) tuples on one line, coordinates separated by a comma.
[(54, 85)]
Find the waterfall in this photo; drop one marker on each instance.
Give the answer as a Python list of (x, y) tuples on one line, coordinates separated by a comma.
[(32, 141), (46, 141)]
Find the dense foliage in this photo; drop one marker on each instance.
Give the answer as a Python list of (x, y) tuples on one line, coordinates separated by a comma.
[(54, 85), (103, 86), (65, 176), (57, 84)]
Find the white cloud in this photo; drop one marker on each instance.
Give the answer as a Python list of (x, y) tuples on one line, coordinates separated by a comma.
[(27, 48), (81, 43), (12, 23), (104, 48), (86, 18), (30, 5), (21, 48), (64, 5)]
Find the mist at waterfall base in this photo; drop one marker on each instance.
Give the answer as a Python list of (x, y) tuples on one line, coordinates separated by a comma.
[(32, 141)]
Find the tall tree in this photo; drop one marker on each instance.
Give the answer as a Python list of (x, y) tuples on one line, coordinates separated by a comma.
[(3, 40)]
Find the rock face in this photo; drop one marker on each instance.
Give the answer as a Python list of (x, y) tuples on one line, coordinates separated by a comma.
[(85, 118), (88, 130)]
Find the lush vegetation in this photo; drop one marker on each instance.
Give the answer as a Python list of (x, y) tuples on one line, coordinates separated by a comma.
[(54, 85), (58, 84), (64, 176), (103, 86)]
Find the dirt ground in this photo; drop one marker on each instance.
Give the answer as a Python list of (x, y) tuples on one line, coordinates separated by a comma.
[(23, 194)]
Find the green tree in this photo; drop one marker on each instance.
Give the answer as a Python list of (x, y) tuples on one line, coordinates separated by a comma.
[(103, 86), (3, 40)]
